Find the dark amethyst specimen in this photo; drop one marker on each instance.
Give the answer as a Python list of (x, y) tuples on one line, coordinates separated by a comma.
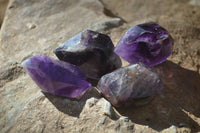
[(126, 85), (92, 52), (56, 77), (148, 43)]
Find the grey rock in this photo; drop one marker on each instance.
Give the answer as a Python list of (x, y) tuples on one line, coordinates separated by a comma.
[(108, 110), (107, 25), (124, 118), (194, 2)]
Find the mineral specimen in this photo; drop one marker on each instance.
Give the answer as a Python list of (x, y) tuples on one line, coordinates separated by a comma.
[(92, 52), (125, 85), (56, 77), (148, 43)]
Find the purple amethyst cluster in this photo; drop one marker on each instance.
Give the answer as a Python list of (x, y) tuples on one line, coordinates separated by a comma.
[(56, 77), (148, 43), (90, 56), (129, 83)]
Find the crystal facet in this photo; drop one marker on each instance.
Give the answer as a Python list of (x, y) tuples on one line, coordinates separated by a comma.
[(92, 52), (148, 43), (125, 85), (56, 77)]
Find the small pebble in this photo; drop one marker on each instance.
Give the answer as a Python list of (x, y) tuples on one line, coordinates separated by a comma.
[(108, 110), (30, 26), (173, 129), (91, 102), (124, 118), (181, 125)]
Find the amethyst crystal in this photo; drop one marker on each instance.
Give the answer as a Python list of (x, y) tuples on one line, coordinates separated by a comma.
[(56, 77), (148, 43), (125, 85), (92, 52)]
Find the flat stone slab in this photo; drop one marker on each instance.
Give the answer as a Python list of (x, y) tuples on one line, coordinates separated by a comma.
[(38, 27)]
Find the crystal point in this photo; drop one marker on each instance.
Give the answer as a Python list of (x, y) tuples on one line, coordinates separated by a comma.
[(148, 43), (125, 85), (92, 52), (56, 77)]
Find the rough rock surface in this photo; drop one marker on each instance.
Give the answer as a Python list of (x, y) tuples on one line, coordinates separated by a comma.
[(37, 27), (3, 6)]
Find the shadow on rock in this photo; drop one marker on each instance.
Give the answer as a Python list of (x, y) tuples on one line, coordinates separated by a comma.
[(178, 104), (72, 107)]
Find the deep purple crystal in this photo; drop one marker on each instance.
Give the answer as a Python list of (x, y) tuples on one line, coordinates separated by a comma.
[(56, 77), (148, 43), (92, 52), (125, 85)]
